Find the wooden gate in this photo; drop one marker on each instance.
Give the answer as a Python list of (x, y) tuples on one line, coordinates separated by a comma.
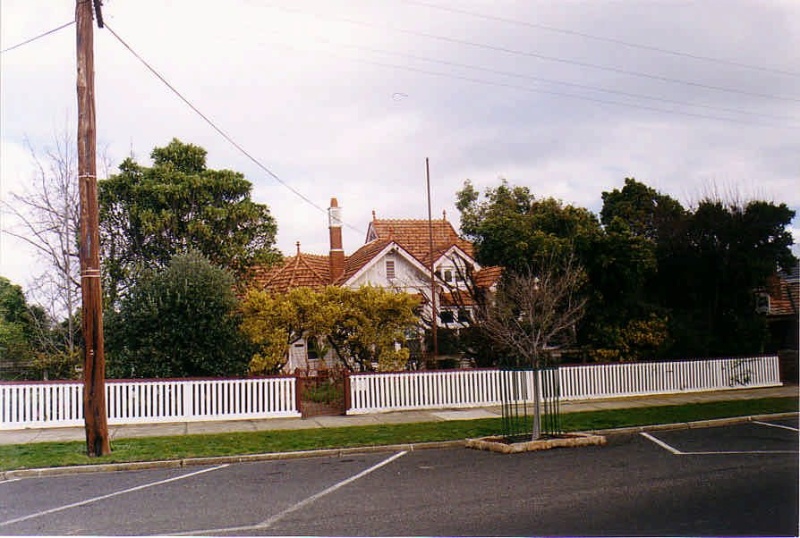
[(321, 395)]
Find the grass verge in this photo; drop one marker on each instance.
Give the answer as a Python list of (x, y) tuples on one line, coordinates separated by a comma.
[(38, 455)]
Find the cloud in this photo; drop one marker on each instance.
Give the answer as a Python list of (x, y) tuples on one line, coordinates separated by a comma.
[(307, 88)]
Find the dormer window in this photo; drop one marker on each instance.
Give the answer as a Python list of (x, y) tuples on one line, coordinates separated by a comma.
[(448, 275), (390, 274)]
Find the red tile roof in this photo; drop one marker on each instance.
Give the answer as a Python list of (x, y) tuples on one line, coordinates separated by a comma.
[(414, 236), (361, 257), (785, 300), (303, 270), (311, 270), (487, 276)]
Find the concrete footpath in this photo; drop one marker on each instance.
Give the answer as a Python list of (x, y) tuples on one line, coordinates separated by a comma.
[(39, 435)]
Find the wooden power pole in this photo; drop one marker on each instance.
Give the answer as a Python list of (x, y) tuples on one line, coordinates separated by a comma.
[(434, 313), (94, 392)]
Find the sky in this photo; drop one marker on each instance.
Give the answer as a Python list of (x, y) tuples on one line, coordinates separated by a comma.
[(348, 98)]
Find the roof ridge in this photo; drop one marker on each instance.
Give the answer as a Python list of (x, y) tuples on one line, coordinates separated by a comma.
[(312, 269)]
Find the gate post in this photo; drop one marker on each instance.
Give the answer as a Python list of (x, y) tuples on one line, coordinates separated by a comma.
[(347, 397), (298, 389)]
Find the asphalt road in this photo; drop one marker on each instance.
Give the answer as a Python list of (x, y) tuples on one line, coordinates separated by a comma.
[(732, 480)]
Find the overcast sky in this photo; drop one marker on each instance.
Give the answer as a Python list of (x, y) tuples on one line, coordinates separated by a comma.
[(348, 98)]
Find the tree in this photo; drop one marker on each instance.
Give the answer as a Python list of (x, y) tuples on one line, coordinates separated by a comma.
[(647, 212), (364, 327), (180, 321), (371, 327), (514, 229), (725, 251), (16, 348), (275, 322), (147, 215), (534, 310), (49, 217)]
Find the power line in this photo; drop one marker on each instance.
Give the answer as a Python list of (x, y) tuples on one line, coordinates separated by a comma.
[(549, 92), (605, 39), (218, 129), (516, 52), (31, 40), (551, 81)]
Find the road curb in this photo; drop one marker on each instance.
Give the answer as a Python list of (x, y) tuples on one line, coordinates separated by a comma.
[(339, 452), (223, 460), (712, 423)]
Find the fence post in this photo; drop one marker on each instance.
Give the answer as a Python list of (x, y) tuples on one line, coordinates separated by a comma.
[(347, 395), (297, 395)]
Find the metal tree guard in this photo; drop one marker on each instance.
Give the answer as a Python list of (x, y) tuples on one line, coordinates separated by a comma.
[(516, 393)]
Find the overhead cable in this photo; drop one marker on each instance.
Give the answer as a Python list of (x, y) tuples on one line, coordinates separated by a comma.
[(530, 54), (612, 40), (31, 40), (218, 129)]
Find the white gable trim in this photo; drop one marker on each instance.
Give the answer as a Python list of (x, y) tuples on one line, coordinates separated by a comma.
[(455, 250), (392, 247)]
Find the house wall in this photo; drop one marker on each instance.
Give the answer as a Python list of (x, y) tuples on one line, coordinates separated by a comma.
[(407, 278)]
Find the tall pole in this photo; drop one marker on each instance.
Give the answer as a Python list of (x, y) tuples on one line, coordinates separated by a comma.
[(94, 394), (434, 313)]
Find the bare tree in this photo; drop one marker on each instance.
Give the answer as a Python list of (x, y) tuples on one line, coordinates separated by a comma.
[(48, 214), (534, 310)]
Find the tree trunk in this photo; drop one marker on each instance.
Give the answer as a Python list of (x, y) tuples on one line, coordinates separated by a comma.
[(537, 407)]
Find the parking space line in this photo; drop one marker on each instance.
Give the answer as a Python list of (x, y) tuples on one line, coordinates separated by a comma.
[(677, 452), (295, 507), (739, 452), (775, 425), (661, 443), (107, 496)]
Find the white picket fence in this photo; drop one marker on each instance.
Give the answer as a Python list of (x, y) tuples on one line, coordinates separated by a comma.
[(56, 404), (26, 405), (376, 393)]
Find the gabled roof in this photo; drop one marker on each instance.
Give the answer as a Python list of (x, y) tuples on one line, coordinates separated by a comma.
[(302, 270), (410, 236), (360, 258), (487, 276), (370, 254), (414, 236), (784, 297)]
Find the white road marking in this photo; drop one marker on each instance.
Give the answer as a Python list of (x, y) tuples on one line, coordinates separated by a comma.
[(738, 452), (107, 496), (661, 443), (295, 507), (677, 452), (775, 425)]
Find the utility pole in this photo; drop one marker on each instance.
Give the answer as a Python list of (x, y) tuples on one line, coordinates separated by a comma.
[(433, 273), (94, 392)]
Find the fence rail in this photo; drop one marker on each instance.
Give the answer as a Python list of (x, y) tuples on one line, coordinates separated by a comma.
[(375, 393), (25, 405)]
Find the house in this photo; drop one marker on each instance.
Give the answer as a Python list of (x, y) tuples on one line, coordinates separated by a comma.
[(422, 257), (780, 302)]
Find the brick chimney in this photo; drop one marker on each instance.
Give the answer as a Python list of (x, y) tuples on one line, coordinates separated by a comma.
[(335, 229)]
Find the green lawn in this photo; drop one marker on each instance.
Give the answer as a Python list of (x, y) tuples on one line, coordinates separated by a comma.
[(38, 455)]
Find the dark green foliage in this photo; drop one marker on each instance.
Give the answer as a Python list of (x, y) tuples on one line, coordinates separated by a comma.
[(647, 213), (514, 229), (711, 268), (16, 347), (664, 281), (180, 321), (32, 345), (147, 215)]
